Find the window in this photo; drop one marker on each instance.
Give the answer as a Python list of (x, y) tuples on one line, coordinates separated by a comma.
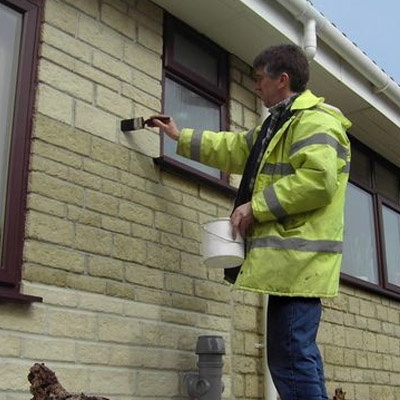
[(195, 93), (371, 255), (19, 31)]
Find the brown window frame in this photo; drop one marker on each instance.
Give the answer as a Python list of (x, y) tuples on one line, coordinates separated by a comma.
[(218, 94), (16, 187), (384, 287)]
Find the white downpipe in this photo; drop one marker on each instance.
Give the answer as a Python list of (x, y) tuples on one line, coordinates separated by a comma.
[(303, 11), (310, 38), (270, 392)]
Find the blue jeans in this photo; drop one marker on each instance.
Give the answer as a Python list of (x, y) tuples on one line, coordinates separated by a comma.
[(294, 359)]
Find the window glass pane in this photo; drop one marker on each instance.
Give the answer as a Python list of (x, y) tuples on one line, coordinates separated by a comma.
[(192, 111), (196, 59), (10, 30), (359, 252), (387, 182), (391, 229), (360, 167)]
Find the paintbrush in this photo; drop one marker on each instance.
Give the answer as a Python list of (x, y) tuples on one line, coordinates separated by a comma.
[(134, 124)]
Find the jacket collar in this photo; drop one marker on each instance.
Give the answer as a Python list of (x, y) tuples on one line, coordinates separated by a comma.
[(306, 100)]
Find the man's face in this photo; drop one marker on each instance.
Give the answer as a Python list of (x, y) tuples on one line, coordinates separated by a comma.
[(270, 90)]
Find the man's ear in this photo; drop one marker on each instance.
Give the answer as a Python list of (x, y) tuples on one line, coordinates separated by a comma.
[(284, 80)]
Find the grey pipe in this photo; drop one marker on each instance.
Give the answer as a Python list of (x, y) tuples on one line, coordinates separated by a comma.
[(206, 384)]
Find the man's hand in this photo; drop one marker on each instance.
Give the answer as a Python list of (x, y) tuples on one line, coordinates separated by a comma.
[(242, 219), (170, 127)]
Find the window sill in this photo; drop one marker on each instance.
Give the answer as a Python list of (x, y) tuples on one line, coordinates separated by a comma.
[(170, 165), (13, 296), (368, 286)]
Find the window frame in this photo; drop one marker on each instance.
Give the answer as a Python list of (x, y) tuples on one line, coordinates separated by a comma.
[(218, 94), (384, 287), (20, 141)]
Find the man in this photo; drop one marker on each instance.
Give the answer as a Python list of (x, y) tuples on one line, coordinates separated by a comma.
[(289, 208)]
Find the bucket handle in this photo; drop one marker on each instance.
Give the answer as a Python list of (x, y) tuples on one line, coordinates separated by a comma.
[(220, 237)]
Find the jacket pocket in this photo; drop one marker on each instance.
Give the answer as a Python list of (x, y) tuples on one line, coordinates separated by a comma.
[(294, 221)]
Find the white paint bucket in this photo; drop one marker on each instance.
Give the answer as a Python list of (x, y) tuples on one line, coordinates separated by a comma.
[(219, 248)]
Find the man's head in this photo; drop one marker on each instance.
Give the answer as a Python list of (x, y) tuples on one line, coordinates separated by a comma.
[(280, 71)]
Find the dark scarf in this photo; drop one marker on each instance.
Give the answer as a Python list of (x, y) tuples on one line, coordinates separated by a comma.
[(279, 115)]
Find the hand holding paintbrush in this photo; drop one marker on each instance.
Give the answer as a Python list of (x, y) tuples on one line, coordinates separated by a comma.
[(164, 122)]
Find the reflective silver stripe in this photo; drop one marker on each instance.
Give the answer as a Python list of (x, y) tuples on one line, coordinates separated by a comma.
[(250, 138), (273, 203), (195, 145), (321, 138), (277, 169), (316, 246)]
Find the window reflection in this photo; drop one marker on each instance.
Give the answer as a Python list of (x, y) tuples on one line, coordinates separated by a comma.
[(10, 30), (391, 229), (359, 253), (189, 110)]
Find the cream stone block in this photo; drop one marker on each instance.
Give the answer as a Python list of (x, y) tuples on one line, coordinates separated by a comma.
[(89, 7), (129, 249), (61, 135), (179, 283), (136, 213), (158, 383), (45, 348), (19, 319), (48, 228), (165, 258), (143, 59), (84, 179), (144, 276), (54, 256), (99, 36), (44, 165), (150, 39), (101, 202), (243, 96), (65, 81), (61, 16), (57, 154), (10, 345), (113, 102), (13, 376), (168, 223), (71, 324), (95, 121), (106, 267), (115, 225), (112, 66), (54, 104), (118, 20), (146, 83), (66, 43), (57, 189), (93, 240), (110, 154), (84, 216), (98, 168), (120, 330)]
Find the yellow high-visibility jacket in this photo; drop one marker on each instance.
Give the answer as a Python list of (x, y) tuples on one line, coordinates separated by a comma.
[(295, 247)]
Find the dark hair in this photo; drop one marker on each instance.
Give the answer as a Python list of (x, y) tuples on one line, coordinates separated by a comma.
[(287, 58)]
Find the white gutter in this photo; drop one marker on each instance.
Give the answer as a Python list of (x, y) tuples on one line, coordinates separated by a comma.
[(304, 12)]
